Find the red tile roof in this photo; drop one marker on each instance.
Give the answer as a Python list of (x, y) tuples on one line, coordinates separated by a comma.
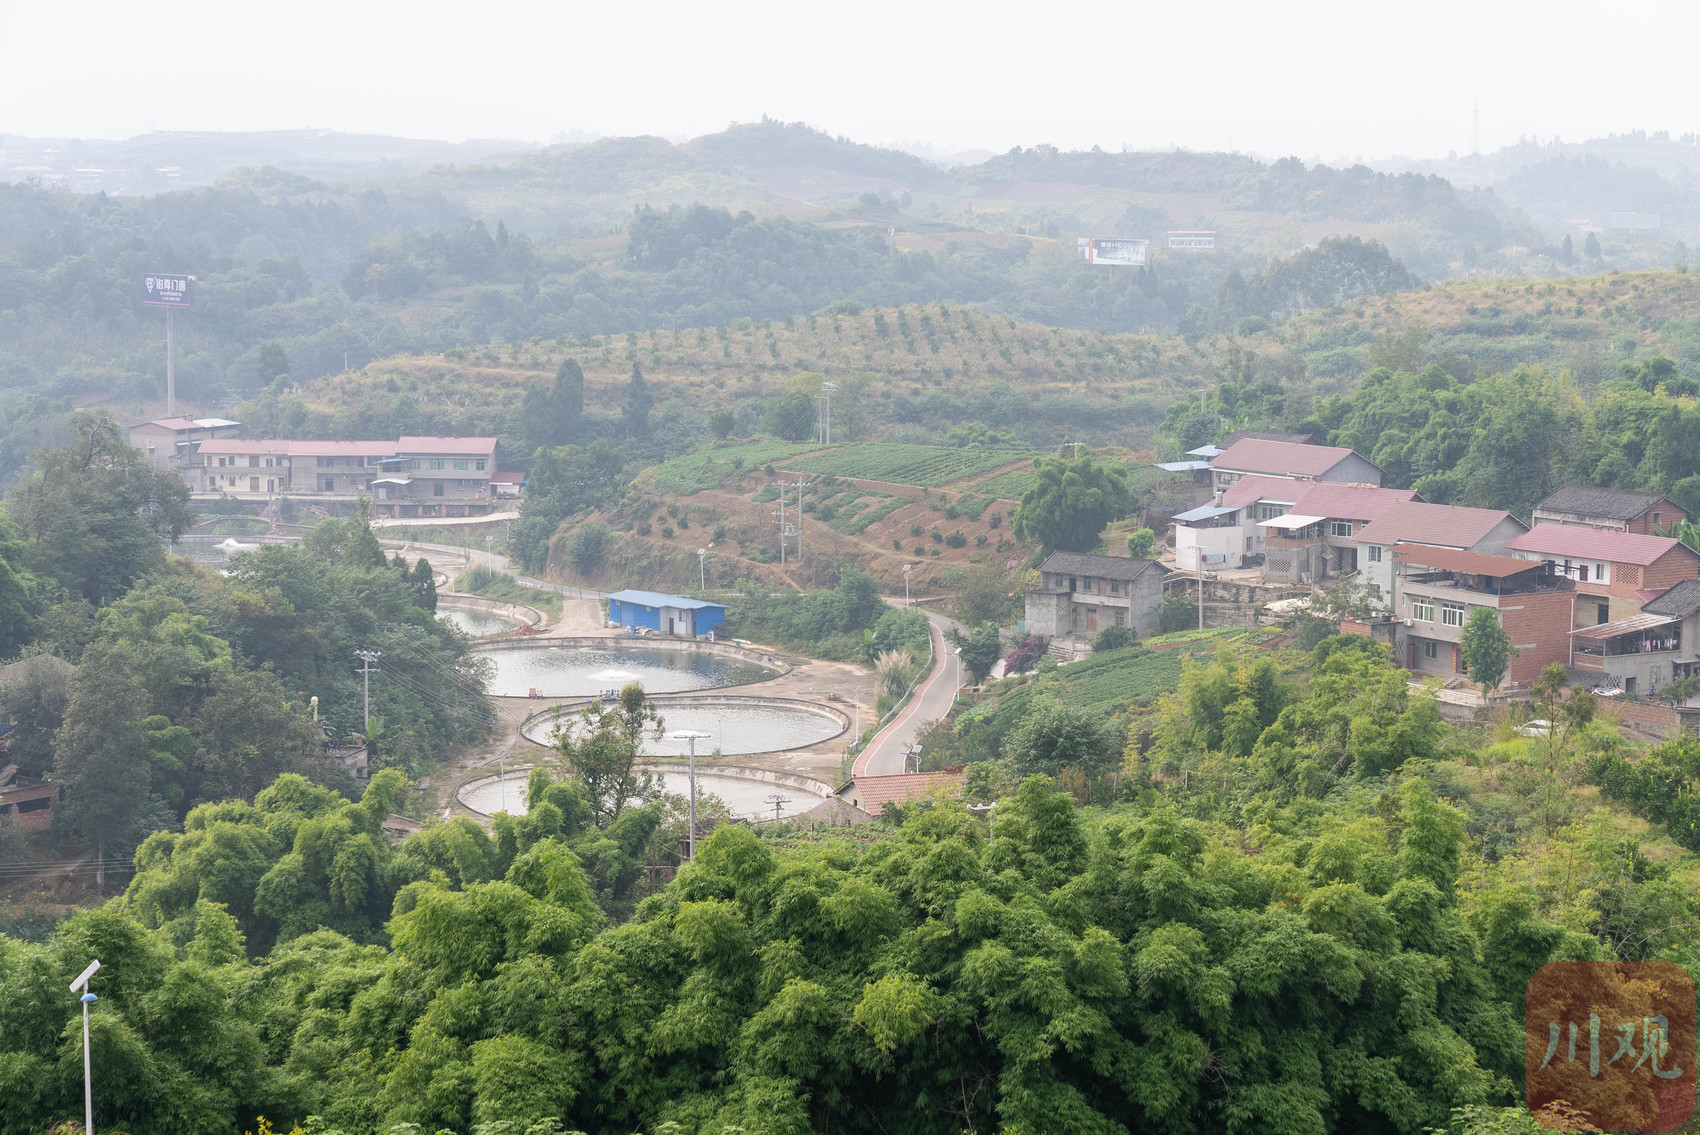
[(343, 448), (477, 446), (244, 447), (1339, 500), (873, 793), (1470, 563), (1444, 525), (1280, 458), (1252, 488), (1608, 544)]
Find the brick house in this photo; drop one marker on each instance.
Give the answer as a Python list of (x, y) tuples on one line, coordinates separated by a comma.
[(1434, 525), (1080, 594), (874, 794), (1435, 590), (1316, 536), (1615, 571), (1586, 506), (168, 441), (238, 465), (1643, 651)]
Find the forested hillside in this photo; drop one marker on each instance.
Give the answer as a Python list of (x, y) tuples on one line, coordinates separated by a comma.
[(1326, 925)]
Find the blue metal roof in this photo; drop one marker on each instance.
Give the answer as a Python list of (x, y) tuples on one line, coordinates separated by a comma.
[(657, 599), (1203, 512), (1182, 466)]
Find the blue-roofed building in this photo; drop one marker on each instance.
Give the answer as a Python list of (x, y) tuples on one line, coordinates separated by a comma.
[(665, 614)]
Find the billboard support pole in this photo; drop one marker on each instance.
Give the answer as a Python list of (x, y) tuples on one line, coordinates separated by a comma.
[(170, 365)]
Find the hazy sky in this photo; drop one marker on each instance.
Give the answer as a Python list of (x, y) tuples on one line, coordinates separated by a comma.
[(1329, 78)]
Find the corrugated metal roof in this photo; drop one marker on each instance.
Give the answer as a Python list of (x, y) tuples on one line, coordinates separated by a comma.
[(1470, 563), (1634, 623), (658, 599), (1203, 512), (1291, 520), (1182, 466), (1444, 525), (1608, 544), (1206, 451)]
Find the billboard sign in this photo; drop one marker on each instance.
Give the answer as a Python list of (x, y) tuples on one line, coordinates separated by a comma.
[(1111, 251), (1193, 239), (167, 291)]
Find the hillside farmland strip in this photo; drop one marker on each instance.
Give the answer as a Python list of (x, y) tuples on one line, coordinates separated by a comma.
[(898, 463)]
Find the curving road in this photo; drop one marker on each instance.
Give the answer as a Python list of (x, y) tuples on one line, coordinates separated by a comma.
[(885, 752)]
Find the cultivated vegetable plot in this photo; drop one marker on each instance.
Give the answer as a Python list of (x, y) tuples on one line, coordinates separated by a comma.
[(898, 463), (695, 472)]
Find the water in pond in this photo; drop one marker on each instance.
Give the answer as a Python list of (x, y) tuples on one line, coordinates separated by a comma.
[(732, 728), (573, 671), (751, 798), (474, 621)]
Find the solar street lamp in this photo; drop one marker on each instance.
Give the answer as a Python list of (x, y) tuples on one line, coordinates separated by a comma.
[(691, 736), (82, 983)]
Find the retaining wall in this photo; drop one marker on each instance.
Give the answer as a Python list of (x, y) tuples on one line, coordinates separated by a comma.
[(739, 772), (661, 642), (530, 616)]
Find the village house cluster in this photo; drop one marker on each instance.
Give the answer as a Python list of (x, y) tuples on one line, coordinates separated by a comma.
[(1592, 585), (411, 476)]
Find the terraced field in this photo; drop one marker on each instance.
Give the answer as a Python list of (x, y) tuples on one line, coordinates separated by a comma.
[(926, 466)]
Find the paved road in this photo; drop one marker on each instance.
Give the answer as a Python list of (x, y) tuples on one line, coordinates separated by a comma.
[(884, 754)]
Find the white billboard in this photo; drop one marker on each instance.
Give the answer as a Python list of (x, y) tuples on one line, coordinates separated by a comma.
[(1192, 238), (1111, 251)]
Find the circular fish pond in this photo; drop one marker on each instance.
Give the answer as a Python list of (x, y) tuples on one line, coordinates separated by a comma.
[(475, 621), (732, 727), (578, 671), (745, 798)]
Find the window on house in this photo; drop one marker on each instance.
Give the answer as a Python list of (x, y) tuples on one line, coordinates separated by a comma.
[(1600, 574), (462, 463), (437, 489), (1248, 543), (1451, 614), (1582, 573), (1422, 608), (1270, 512), (1656, 517), (436, 462), (1374, 554), (1115, 587), (1431, 649), (413, 465), (480, 464), (1602, 613), (1340, 527)]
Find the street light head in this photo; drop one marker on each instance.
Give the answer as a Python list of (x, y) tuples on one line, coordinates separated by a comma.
[(82, 981), (88, 997), (702, 551)]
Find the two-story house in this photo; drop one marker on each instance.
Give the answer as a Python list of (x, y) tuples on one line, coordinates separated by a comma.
[(1436, 589), (1585, 506), (1641, 652), (238, 465), (1435, 525), (438, 476), (1081, 594), (1615, 571), (1255, 457), (1316, 537), (339, 467)]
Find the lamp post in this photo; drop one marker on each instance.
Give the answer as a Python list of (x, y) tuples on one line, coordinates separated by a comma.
[(907, 568), (702, 569), (1198, 556), (859, 693), (958, 695), (82, 983), (691, 736)]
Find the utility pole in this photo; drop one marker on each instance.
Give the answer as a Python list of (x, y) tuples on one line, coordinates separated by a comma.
[(366, 672), (823, 412), (776, 800), (800, 485), (781, 486), (170, 365)]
